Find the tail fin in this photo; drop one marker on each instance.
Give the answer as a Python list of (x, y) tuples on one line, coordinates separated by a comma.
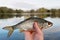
[(11, 29)]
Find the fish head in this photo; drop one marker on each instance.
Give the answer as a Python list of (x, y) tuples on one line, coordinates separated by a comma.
[(47, 25), (44, 24)]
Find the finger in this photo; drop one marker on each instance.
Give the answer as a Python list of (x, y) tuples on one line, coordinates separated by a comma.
[(36, 27)]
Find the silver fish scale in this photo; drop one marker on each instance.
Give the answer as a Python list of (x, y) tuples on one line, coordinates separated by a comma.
[(26, 25)]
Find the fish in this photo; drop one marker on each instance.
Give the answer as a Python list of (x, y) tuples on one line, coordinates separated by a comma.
[(27, 24)]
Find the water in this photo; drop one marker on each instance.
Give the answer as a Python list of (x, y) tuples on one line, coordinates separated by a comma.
[(52, 33)]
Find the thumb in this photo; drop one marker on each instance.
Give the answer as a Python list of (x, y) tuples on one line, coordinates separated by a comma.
[(36, 27)]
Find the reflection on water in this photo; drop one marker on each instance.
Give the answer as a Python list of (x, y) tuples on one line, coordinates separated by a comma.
[(52, 33)]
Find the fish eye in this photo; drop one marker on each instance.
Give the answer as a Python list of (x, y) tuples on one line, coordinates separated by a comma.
[(49, 24)]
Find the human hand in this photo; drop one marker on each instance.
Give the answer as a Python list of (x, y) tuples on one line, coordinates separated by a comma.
[(37, 34)]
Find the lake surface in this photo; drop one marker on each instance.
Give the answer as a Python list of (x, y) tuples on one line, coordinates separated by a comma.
[(52, 33)]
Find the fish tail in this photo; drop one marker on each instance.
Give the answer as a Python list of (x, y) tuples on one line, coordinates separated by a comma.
[(10, 28)]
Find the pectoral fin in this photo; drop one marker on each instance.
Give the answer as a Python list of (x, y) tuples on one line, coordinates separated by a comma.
[(21, 30)]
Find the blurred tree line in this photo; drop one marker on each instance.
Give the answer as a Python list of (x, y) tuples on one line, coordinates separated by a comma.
[(9, 12)]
